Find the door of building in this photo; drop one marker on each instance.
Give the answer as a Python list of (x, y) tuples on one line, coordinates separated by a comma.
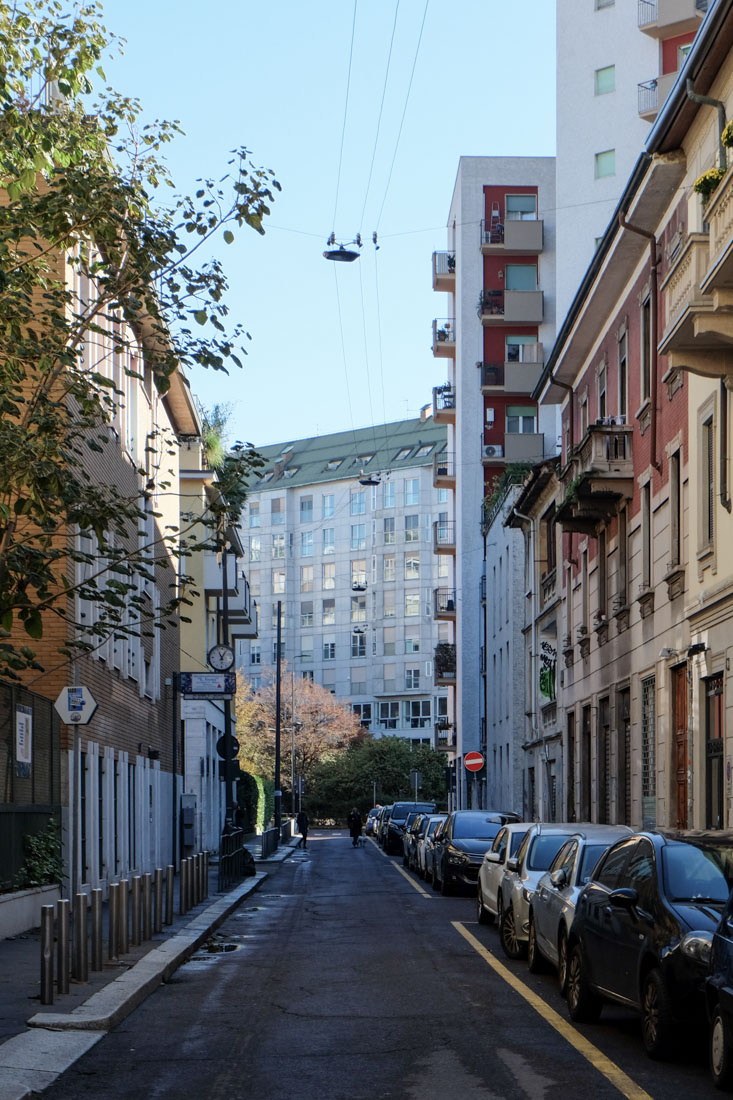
[(623, 757), (679, 735), (585, 772), (714, 741)]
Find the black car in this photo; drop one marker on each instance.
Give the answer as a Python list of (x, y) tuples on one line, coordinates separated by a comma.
[(643, 928), (395, 827), (414, 830), (460, 846), (380, 827), (719, 997)]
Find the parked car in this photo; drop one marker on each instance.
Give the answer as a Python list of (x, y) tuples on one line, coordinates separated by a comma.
[(371, 821), (719, 997), (552, 908), (643, 930), (536, 851), (413, 824), (381, 824), (395, 826), (488, 888), (425, 844), (460, 846), (430, 847)]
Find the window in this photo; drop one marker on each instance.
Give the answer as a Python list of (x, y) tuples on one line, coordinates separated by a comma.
[(329, 647), (388, 562), (708, 483), (255, 548), (306, 578), (306, 613), (605, 80), (306, 647), (388, 715), (520, 276), (442, 496), (274, 651), (357, 503), (604, 4), (358, 536), (412, 491), (358, 609), (622, 583), (390, 681), (520, 208), (388, 494), (423, 452), (255, 654), (358, 572), (412, 528), (417, 713), (306, 544), (358, 645), (602, 377), (646, 535), (682, 52), (334, 463), (328, 574), (412, 678), (329, 540), (520, 418), (412, 567), (645, 361), (623, 380), (329, 612), (520, 349), (254, 513), (278, 546), (389, 532), (388, 635), (327, 505), (358, 681), (388, 606), (648, 753), (363, 711), (306, 509), (412, 603), (278, 580), (274, 617), (401, 455), (443, 566), (307, 674), (278, 510), (605, 164), (290, 471), (548, 557), (412, 639), (675, 509)]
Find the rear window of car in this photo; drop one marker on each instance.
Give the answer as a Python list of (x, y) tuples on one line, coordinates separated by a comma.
[(544, 850), (400, 812), (476, 826)]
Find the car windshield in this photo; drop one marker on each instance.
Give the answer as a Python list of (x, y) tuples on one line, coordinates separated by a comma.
[(475, 826), (591, 854), (697, 874), (401, 813), (516, 840), (544, 850)]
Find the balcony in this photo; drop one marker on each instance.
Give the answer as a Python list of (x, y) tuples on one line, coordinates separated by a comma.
[(690, 325), (445, 736), (444, 471), (516, 236), (444, 537), (445, 603), (445, 664), (444, 338), (444, 271), (522, 447), (599, 475), (214, 574), (667, 18), (719, 216), (492, 376), (444, 404), (518, 307), (248, 629), (239, 605)]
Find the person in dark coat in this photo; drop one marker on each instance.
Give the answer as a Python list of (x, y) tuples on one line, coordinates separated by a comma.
[(354, 821), (302, 822)]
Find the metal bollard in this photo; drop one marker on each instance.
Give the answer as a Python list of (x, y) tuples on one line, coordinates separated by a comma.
[(136, 891), (81, 939), (158, 900), (124, 941), (200, 876), (97, 954), (63, 921), (182, 887), (147, 905), (169, 873), (47, 954), (196, 879), (206, 875), (114, 921)]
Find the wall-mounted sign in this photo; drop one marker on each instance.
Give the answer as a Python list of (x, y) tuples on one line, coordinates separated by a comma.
[(23, 740), (548, 661), (208, 685), (75, 705)]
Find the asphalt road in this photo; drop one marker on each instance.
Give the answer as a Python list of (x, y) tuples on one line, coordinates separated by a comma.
[(349, 978)]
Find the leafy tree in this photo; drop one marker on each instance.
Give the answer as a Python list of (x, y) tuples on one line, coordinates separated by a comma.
[(91, 256)]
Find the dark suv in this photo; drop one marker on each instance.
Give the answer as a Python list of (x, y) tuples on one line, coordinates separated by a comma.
[(397, 822)]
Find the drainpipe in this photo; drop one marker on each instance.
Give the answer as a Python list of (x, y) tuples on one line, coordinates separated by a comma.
[(533, 647), (655, 335), (723, 447), (721, 118)]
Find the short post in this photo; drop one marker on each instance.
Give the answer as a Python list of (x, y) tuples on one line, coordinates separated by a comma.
[(169, 873), (206, 875), (183, 887), (97, 956), (197, 877), (63, 921), (47, 912), (114, 922), (158, 896), (147, 905), (136, 891), (124, 916), (81, 939)]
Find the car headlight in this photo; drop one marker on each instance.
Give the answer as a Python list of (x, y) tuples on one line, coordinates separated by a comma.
[(458, 857), (697, 946)]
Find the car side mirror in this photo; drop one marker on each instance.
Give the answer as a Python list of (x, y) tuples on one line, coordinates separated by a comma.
[(492, 857), (624, 898), (559, 878), (512, 865)]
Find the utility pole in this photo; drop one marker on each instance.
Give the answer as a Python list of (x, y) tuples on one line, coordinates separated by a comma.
[(228, 754), (278, 792)]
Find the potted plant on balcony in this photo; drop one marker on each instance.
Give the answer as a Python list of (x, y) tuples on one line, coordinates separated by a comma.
[(726, 138), (705, 184), (443, 333)]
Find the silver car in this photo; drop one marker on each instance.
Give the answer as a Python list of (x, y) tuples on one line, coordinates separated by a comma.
[(521, 874), (552, 907), (488, 891), (425, 844)]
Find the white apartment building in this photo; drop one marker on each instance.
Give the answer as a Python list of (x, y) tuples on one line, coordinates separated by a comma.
[(340, 529)]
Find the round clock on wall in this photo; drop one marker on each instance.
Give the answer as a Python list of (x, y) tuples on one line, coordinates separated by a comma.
[(221, 658)]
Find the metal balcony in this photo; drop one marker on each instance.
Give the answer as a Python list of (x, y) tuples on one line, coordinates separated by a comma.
[(445, 736), (515, 236), (652, 94), (444, 338), (444, 537), (668, 18), (444, 271), (599, 475), (518, 307), (445, 663), (444, 470), (444, 404), (445, 603)]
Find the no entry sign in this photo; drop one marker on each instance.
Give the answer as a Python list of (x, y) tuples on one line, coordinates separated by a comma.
[(473, 761)]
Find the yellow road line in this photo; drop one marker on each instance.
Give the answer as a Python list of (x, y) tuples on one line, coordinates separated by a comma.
[(592, 1054), (410, 879)]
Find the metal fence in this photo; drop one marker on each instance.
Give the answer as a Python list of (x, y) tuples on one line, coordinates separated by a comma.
[(233, 859)]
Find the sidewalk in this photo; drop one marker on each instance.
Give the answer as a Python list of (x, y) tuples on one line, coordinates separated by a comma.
[(39, 1042)]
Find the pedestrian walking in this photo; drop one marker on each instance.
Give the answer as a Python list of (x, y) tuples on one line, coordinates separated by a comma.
[(302, 822), (354, 822)]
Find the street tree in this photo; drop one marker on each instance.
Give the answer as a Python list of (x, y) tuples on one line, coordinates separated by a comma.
[(92, 255)]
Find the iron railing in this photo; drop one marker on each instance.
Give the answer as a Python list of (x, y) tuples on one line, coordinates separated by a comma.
[(232, 859), (648, 96)]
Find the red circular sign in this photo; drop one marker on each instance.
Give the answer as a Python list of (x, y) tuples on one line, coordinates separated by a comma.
[(473, 761)]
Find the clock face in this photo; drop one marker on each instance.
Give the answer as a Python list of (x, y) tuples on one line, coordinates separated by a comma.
[(221, 657)]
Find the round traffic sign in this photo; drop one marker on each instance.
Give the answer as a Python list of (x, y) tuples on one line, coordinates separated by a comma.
[(473, 761), (221, 746)]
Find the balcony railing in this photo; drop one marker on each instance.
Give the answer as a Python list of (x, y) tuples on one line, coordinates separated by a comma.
[(444, 537), (648, 97), (491, 304), (683, 298), (525, 307), (445, 603), (663, 18), (646, 12), (444, 468), (445, 736), (444, 271), (444, 336), (492, 374), (445, 663), (444, 404), (516, 235), (599, 474)]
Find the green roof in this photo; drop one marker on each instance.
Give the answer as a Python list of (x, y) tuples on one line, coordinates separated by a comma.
[(377, 450)]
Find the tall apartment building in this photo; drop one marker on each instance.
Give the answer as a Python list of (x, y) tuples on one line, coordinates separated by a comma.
[(498, 273), (340, 530)]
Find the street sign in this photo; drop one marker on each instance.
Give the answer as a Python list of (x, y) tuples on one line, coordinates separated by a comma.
[(208, 685), (473, 761), (221, 746), (75, 705)]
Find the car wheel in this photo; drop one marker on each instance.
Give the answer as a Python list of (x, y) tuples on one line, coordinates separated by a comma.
[(657, 1021), (484, 916), (562, 964), (583, 1005), (535, 961), (512, 946), (446, 887), (721, 1056)]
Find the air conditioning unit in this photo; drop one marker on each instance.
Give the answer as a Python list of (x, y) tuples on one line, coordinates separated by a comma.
[(493, 450)]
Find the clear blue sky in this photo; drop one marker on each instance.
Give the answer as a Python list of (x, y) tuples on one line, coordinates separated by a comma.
[(336, 346)]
